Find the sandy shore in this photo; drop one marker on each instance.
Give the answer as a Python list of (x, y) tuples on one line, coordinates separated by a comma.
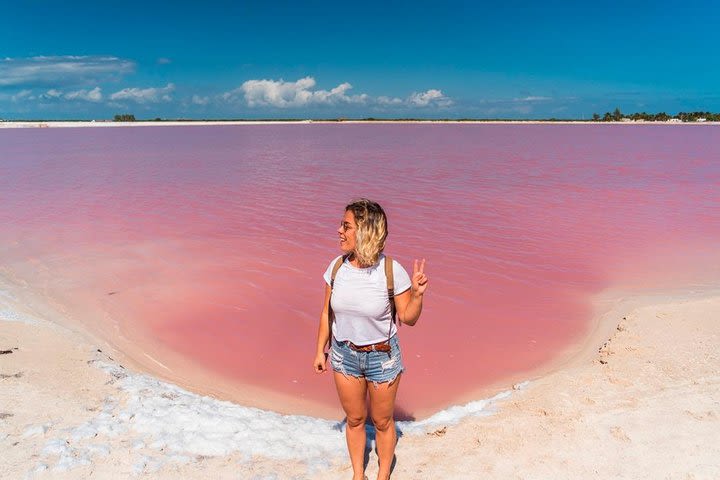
[(639, 399), (62, 124)]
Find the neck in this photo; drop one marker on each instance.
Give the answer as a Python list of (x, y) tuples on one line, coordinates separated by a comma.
[(355, 262)]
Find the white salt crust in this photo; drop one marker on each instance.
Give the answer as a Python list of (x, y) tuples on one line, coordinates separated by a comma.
[(164, 424), (179, 425)]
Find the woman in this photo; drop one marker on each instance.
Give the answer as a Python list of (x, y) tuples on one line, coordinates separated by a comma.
[(364, 346)]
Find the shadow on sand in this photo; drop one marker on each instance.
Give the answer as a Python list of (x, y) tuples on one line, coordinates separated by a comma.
[(400, 415)]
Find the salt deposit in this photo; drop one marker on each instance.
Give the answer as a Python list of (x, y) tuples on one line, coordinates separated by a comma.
[(165, 424), (33, 430), (174, 423)]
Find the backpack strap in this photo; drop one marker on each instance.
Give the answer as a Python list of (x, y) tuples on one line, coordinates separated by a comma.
[(335, 269), (331, 316), (391, 291)]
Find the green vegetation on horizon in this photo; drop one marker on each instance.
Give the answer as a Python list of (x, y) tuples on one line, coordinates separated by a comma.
[(615, 116), (618, 116), (125, 117)]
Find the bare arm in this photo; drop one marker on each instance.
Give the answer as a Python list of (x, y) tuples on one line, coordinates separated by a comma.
[(323, 337), (409, 307), (409, 303)]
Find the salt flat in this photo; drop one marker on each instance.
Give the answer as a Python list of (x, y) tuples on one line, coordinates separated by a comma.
[(642, 403)]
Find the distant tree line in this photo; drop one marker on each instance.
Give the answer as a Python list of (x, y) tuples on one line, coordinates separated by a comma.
[(124, 117), (617, 116)]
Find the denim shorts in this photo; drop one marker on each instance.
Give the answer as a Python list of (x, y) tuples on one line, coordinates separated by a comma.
[(376, 367)]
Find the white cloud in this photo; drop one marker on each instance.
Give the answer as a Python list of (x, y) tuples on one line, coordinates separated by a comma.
[(532, 98), (94, 95), (516, 106), (56, 71), (432, 98), (198, 100), (501, 111), (302, 93), (144, 95), (163, 61), (51, 94), (389, 101), (22, 95), (282, 94), (429, 98)]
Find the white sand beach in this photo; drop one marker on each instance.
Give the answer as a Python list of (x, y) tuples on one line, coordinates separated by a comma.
[(190, 123), (639, 399)]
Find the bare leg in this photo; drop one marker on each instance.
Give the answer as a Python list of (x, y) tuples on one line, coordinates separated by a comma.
[(353, 393), (382, 406)]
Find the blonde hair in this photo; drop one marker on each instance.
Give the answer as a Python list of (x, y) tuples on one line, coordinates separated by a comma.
[(371, 232)]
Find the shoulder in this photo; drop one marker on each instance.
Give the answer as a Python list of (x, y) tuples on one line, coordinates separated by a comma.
[(401, 279), (328, 271), (396, 266), (334, 261)]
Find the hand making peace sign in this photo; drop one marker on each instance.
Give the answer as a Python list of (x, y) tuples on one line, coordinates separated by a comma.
[(419, 279)]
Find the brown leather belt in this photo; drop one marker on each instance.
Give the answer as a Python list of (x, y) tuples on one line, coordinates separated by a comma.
[(375, 347)]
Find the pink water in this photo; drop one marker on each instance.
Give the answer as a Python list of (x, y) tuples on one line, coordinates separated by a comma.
[(210, 242)]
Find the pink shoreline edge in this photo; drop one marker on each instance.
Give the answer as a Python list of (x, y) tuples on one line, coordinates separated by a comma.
[(607, 310)]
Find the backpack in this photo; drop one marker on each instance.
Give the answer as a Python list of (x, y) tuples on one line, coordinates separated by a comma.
[(390, 289)]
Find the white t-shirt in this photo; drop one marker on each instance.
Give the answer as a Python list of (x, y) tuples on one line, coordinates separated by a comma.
[(360, 301)]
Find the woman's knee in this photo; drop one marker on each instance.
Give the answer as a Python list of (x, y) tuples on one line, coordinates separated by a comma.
[(383, 423), (354, 421)]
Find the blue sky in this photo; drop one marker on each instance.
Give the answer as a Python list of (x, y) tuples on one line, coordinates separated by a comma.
[(511, 59)]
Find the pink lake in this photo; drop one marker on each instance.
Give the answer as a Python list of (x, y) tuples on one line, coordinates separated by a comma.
[(198, 251)]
